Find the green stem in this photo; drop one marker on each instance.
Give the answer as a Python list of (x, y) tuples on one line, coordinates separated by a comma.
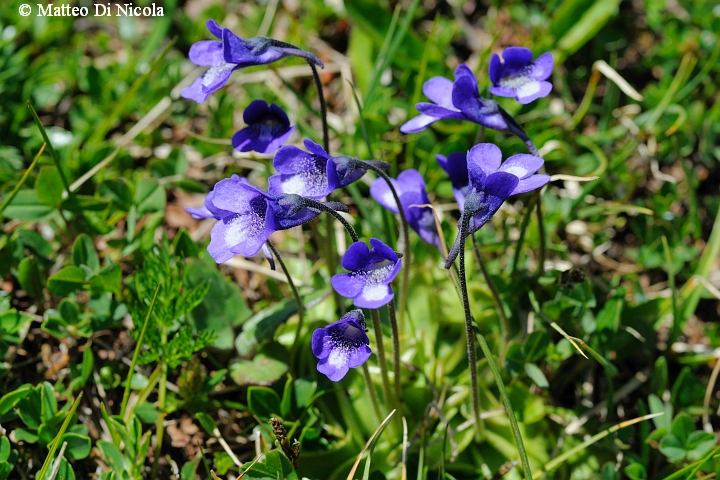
[(541, 233), (373, 392), (53, 153), (136, 354), (521, 238), (19, 184), (396, 352), (381, 357), (309, 202), (506, 400), (323, 107), (493, 290), (296, 295), (402, 300), (469, 330), (162, 391)]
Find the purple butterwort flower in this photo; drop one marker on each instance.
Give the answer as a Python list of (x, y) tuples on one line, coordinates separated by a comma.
[(314, 173), (518, 76), (491, 183), (410, 188), (341, 345), (458, 100), (252, 215), (371, 272), (455, 165), (268, 127), (230, 53), (208, 210)]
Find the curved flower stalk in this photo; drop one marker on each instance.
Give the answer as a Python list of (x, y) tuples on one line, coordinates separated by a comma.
[(315, 173), (490, 184), (518, 76), (341, 346), (410, 187), (268, 127), (231, 52), (371, 273)]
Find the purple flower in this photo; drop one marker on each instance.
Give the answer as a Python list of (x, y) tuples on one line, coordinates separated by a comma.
[(455, 165), (371, 272), (341, 345), (314, 173), (230, 53), (250, 215), (410, 188), (268, 127), (459, 100), (208, 210), (518, 76), (260, 50), (491, 183)]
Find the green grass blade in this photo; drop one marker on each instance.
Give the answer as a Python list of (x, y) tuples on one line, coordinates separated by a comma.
[(58, 437), (369, 444), (508, 407), (690, 291), (53, 153), (557, 461), (387, 59), (136, 354), (377, 71), (27, 173)]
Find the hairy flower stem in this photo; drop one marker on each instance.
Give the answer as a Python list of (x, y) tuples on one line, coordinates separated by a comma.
[(469, 329), (373, 393), (323, 107), (402, 300), (506, 401), (162, 391), (396, 351), (314, 204), (519, 132), (296, 295), (493, 290), (375, 314), (541, 233)]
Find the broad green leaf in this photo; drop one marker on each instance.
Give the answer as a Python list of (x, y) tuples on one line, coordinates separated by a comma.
[(682, 427), (275, 465), (207, 422), (149, 196), (9, 400), (698, 444), (84, 253), (265, 368), (673, 448), (84, 203), (264, 402), (635, 471), (67, 280), (536, 375), (26, 206), (221, 310), (78, 446), (147, 412), (29, 277), (49, 187), (25, 436), (535, 346)]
